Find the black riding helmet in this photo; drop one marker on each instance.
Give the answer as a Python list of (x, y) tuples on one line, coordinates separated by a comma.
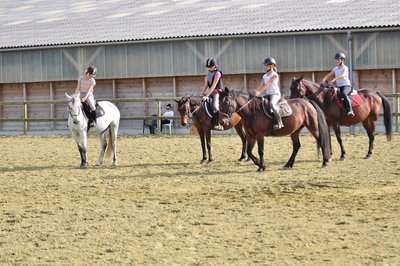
[(210, 62), (92, 70), (340, 56), (269, 61)]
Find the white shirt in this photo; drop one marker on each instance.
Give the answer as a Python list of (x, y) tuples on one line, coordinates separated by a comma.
[(274, 88), (168, 113), (345, 81)]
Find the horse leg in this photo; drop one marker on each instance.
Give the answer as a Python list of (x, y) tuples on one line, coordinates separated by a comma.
[(370, 128), (81, 141), (103, 146), (203, 146), (260, 144), (338, 134), (208, 142), (113, 132), (296, 146), (250, 145), (330, 142), (241, 133)]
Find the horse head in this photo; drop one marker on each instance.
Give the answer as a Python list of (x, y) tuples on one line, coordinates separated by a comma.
[(184, 109), (74, 107), (227, 101), (297, 88)]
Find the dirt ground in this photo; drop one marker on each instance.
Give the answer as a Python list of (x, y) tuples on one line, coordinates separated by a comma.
[(161, 207)]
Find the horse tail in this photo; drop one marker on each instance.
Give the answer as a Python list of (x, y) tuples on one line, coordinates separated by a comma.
[(109, 149), (387, 116), (323, 131)]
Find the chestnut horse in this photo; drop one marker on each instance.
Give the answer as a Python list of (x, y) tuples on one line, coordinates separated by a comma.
[(257, 124), (367, 113), (188, 106)]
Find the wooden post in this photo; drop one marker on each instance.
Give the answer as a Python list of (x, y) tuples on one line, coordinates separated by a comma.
[(52, 112), (395, 101), (25, 108), (114, 89), (245, 88)]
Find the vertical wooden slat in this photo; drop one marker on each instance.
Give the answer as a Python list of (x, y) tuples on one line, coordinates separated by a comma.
[(52, 113), (25, 108), (395, 100)]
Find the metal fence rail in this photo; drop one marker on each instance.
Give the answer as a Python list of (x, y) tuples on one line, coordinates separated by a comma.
[(25, 119)]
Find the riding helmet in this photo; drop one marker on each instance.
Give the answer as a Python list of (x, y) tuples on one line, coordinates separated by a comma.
[(92, 70), (340, 56), (269, 61), (210, 62)]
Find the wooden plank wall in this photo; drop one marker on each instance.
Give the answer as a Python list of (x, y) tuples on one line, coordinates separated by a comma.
[(384, 80)]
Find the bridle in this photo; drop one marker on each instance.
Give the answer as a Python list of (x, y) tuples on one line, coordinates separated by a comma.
[(186, 107), (232, 106), (74, 115), (303, 95)]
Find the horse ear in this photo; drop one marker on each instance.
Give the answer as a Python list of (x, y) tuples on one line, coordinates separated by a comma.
[(69, 98), (301, 78), (227, 90)]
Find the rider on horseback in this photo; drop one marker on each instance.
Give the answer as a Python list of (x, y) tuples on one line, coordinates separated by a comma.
[(212, 87), (341, 74), (269, 87), (85, 88)]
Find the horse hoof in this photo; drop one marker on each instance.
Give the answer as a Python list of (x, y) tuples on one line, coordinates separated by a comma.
[(84, 166), (367, 157), (287, 167), (210, 161), (203, 161), (241, 159), (342, 159), (98, 163), (115, 164), (261, 169)]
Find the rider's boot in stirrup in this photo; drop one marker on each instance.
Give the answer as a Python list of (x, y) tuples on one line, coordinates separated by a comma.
[(215, 122), (347, 105)]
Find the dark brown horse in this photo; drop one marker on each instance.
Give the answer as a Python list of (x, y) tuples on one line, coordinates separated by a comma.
[(257, 124), (188, 106), (367, 113)]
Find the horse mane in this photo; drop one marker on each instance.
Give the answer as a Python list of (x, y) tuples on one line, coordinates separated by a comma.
[(195, 100)]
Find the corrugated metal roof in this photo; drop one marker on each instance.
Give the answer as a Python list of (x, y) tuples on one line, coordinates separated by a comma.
[(31, 23)]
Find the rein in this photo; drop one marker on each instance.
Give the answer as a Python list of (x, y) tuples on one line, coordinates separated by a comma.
[(309, 97), (237, 112), (74, 115)]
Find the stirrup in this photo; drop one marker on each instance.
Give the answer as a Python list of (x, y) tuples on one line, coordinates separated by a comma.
[(218, 127)]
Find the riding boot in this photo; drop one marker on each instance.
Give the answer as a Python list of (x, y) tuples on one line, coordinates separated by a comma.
[(215, 122), (278, 119), (92, 119), (347, 104)]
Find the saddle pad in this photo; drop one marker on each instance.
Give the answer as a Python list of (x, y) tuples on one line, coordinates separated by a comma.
[(357, 100), (284, 108)]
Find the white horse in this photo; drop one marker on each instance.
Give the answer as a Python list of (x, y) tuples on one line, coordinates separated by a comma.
[(78, 124)]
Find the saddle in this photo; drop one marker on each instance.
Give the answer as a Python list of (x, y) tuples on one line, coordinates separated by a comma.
[(208, 107), (284, 108), (86, 110), (356, 99)]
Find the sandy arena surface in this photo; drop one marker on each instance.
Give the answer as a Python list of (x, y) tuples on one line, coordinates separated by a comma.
[(161, 207)]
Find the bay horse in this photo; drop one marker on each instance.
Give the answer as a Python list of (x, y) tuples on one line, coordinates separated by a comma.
[(78, 125), (367, 113), (257, 124), (193, 106)]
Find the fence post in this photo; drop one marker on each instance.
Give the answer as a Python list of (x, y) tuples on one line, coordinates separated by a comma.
[(397, 112), (25, 110), (158, 117)]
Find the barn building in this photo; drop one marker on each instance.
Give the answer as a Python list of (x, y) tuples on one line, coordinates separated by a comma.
[(146, 49)]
